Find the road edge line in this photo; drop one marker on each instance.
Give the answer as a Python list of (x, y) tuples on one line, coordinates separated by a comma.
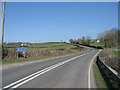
[(89, 70), (17, 82)]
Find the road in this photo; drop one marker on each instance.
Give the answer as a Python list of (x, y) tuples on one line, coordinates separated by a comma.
[(70, 71)]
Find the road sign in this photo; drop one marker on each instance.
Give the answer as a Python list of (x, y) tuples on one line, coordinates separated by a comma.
[(20, 49)]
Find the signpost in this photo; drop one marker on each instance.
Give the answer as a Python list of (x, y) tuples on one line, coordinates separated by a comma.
[(20, 50)]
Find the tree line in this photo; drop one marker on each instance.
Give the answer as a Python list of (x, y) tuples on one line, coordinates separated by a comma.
[(109, 37), (84, 40)]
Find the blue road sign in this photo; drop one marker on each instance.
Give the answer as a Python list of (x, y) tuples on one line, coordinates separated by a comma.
[(20, 49)]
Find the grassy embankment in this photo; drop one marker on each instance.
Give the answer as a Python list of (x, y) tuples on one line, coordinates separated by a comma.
[(100, 82), (117, 53), (42, 46)]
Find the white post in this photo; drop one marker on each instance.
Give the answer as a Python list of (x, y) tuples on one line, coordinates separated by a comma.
[(17, 54), (24, 55)]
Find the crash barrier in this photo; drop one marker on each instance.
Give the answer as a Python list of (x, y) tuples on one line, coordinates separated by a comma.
[(110, 76)]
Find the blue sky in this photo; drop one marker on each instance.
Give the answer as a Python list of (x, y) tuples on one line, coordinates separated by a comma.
[(52, 22)]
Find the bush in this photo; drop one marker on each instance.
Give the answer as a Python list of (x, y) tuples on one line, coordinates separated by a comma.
[(4, 52), (107, 55)]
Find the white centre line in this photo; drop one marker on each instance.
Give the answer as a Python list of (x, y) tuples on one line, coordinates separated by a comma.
[(34, 75)]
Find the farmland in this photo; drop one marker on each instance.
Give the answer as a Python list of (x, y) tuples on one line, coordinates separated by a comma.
[(98, 44), (43, 46), (37, 51)]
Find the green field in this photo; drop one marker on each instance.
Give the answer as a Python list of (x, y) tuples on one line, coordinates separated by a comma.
[(98, 44), (44, 46), (117, 53)]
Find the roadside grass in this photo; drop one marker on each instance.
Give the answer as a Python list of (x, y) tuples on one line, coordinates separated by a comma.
[(98, 44), (100, 82), (26, 59), (37, 58), (117, 53)]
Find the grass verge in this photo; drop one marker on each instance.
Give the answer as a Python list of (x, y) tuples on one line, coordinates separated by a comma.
[(117, 53), (100, 82), (37, 58)]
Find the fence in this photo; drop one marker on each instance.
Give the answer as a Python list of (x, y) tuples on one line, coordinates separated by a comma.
[(111, 78)]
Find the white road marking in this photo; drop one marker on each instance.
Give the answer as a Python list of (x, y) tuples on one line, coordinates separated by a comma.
[(34, 75), (89, 70)]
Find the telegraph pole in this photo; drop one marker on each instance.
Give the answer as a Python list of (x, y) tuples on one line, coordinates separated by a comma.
[(3, 18)]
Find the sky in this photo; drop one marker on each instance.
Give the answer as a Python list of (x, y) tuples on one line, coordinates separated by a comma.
[(57, 21), (61, 0)]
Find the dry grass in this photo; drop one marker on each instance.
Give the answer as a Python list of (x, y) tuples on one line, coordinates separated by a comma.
[(107, 55)]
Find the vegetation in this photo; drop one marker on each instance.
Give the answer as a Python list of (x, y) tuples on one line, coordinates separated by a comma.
[(39, 50), (43, 46), (108, 56), (97, 44), (110, 38), (33, 59), (100, 82), (38, 58), (84, 40), (110, 80), (117, 53)]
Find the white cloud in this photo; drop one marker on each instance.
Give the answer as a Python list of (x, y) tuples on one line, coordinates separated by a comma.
[(92, 31)]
